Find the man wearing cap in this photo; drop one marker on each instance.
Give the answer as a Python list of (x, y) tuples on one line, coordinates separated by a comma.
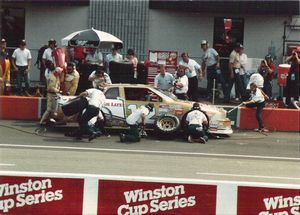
[(71, 80), (210, 63), (133, 120), (234, 68), (164, 80), (192, 68), (181, 83), (47, 55), (53, 87), (196, 120), (268, 74), (21, 61)]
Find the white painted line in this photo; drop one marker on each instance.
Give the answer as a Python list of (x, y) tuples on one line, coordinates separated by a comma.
[(90, 196), (152, 152), (7, 164), (147, 179), (247, 176), (226, 199)]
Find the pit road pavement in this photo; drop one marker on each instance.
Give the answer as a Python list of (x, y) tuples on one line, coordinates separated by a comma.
[(245, 156)]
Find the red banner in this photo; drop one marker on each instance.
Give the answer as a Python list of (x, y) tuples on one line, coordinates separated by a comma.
[(125, 197), (268, 201), (36, 195)]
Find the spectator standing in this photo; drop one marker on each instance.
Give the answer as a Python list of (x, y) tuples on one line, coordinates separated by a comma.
[(113, 56), (196, 120), (100, 79), (131, 58), (94, 57), (267, 70), (192, 68), (293, 82), (235, 67), (181, 83), (71, 80), (47, 55), (210, 63), (53, 87), (164, 80), (243, 71), (257, 100), (21, 60), (4, 72), (133, 120), (3, 47)]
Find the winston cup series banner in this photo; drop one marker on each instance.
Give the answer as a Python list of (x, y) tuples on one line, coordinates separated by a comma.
[(129, 197), (37, 195), (268, 201)]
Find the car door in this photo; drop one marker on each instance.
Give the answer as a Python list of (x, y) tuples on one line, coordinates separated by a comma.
[(138, 96), (114, 107)]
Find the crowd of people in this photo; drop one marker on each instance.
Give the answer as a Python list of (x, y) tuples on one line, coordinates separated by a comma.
[(65, 79)]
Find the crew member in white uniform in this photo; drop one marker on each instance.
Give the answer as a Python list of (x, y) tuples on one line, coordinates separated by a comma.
[(196, 119), (133, 120), (96, 100), (257, 100)]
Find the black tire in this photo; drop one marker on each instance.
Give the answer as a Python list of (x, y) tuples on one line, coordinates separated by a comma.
[(167, 125)]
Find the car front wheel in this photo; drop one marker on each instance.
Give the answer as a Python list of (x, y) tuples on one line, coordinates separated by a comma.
[(167, 125)]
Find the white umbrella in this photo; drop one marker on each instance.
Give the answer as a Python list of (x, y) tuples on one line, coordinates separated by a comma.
[(92, 38)]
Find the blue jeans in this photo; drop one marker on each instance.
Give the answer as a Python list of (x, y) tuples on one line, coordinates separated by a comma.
[(196, 131), (259, 110), (267, 88), (22, 76)]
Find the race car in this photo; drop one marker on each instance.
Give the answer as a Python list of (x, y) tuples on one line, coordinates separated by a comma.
[(169, 113)]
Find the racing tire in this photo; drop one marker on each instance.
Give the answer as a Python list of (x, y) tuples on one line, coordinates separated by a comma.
[(167, 125)]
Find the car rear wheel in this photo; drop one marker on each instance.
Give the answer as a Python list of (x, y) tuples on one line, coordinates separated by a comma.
[(167, 125)]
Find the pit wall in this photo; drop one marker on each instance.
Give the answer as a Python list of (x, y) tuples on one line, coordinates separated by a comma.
[(31, 108), (59, 193)]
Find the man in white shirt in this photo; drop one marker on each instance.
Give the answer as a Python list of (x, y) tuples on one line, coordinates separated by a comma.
[(21, 60), (94, 57), (47, 55), (113, 56), (133, 120), (181, 83), (96, 100), (257, 100), (164, 80), (196, 119), (192, 68)]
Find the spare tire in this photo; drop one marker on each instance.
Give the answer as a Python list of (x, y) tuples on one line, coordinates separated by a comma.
[(167, 125)]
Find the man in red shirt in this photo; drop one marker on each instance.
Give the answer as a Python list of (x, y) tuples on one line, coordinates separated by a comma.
[(267, 71)]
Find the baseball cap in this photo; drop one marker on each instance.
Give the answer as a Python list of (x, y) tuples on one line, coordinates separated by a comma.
[(204, 42), (3, 40)]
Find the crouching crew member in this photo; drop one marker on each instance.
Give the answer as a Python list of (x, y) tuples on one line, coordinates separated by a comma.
[(71, 80), (133, 120), (95, 103), (196, 120), (53, 87), (257, 100)]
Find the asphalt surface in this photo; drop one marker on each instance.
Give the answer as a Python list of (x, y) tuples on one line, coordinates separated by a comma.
[(244, 156)]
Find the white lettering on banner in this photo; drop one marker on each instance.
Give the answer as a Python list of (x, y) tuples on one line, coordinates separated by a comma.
[(279, 202), (155, 205), (21, 197)]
